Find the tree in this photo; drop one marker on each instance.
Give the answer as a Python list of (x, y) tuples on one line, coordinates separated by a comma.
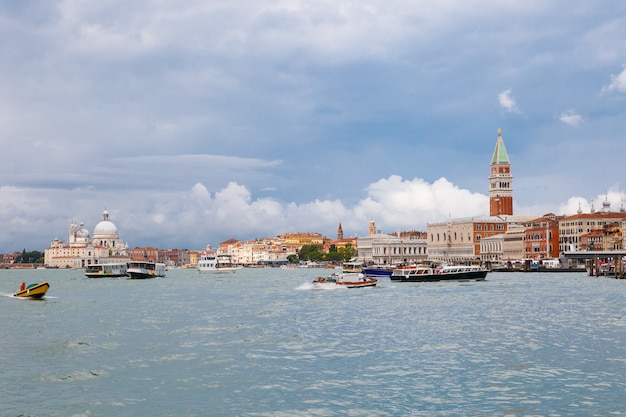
[(348, 252), (29, 257), (310, 253), (333, 257)]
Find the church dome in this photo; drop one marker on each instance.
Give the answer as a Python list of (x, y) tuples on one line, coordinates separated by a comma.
[(105, 227), (82, 232)]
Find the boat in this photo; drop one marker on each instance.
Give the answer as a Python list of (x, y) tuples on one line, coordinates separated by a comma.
[(216, 264), (543, 265), (349, 280), (37, 290), (112, 270), (378, 270), (309, 264), (145, 269), (352, 267), (433, 273)]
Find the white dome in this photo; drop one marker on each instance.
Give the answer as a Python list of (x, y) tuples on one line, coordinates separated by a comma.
[(105, 228)]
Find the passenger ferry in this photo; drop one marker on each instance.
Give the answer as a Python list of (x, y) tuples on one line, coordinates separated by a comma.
[(113, 270), (216, 264), (427, 273), (145, 269)]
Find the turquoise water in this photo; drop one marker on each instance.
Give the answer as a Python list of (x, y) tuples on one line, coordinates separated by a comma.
[(262, 342)]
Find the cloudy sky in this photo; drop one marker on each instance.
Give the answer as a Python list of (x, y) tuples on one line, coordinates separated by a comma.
[(192, 122)]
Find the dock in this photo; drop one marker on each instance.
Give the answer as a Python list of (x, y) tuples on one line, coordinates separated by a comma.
[(593, 260)]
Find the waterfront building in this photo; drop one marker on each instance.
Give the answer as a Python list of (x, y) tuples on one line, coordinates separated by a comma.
[(387, 249), (170, 257), (578, 231), (458, 240), (174, 257), (251, 252), (82, 251), (240, 253), (147, 253), (279, 253), (491, 249), (504, 248), (542, 237), (514, 244), (606, 239), (194, 257), (8, 258), (300, 239), (267, 251)]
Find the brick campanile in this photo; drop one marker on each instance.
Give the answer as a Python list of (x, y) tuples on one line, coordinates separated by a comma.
[(500, 181)]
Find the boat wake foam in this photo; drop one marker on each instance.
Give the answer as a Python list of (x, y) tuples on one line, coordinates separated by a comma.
[(4, 294), (321, 286)]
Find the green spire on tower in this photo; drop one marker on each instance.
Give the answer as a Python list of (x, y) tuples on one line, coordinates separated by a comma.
[(499, 154)]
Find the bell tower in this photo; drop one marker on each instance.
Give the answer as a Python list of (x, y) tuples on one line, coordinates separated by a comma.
[(500, 181), (372, 228)]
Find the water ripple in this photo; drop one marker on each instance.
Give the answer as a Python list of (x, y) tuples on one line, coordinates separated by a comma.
[(264, 343)]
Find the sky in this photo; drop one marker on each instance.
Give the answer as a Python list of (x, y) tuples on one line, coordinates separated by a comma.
[(198, 121)]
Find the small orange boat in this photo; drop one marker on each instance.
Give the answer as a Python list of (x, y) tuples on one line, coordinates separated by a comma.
[(37, 290)]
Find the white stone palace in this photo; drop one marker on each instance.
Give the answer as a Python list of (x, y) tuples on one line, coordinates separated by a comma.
[(82, 251)]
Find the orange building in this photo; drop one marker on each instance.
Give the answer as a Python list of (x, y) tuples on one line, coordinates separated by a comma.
[(573, 228), (144, 254), (300, 239), (542, 237), (609, 237)]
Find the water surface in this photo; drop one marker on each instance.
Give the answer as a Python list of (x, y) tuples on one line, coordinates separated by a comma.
[(263, 342)]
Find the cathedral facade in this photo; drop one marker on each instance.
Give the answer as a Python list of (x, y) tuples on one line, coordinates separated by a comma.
[(81, 250)]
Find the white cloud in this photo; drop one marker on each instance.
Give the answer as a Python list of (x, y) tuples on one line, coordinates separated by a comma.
[(410, 204), (618, 83), (507, 102), (196, 217), (614, 197), (394, 203), (571, 118)]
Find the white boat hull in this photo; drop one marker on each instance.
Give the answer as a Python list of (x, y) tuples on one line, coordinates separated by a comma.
[(145, 270), (216, 264), (226, 270)]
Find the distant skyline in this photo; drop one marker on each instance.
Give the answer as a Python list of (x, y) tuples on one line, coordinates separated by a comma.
[(199, 122)]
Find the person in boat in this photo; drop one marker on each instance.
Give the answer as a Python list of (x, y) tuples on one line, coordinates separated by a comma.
[(23, 286)]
